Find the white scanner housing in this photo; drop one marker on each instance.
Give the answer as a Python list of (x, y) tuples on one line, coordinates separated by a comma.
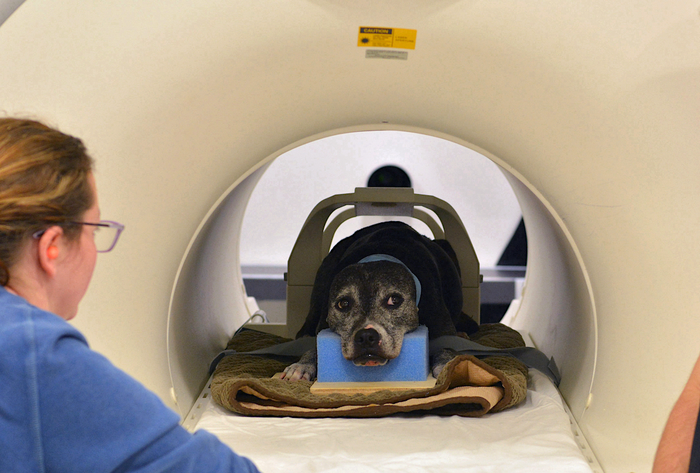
[(591, 108)]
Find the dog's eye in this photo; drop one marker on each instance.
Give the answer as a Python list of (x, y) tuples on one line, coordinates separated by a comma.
[(342, 304), (394, 300)]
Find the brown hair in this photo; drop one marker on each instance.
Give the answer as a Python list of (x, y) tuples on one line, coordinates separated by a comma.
[(43, 182)]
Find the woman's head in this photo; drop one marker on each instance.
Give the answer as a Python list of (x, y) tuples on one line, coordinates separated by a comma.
[(44, 181)]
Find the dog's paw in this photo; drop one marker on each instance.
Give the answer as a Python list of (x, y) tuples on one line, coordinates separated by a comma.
[(437, 369), (298, 371), (304, 369), (441, 360)]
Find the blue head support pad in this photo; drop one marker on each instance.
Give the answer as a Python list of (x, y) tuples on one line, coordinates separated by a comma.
[(381, 257), (411, 364)]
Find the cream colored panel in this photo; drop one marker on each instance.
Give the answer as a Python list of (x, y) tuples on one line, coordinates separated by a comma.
[(595, 104)]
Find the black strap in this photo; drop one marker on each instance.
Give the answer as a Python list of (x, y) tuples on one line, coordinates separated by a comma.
[(294, 348), (531, 357)]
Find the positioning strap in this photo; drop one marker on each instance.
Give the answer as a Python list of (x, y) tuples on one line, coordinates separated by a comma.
[(531, 357), (294, 348)]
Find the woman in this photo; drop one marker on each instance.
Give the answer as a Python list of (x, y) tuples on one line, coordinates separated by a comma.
[(63, 407)]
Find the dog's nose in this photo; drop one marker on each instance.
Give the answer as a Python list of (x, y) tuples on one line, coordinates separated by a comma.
[(367, 338)]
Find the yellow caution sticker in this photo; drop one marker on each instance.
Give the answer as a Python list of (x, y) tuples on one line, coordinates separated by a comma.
[(374, 37)]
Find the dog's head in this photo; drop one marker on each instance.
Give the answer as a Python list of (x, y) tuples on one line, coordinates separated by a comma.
[(371, 306)]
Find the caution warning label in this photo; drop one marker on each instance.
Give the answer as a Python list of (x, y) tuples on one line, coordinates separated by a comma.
[(374, 37)]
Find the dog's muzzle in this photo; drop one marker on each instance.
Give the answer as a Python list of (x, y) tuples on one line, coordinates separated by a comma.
[(367, 343)]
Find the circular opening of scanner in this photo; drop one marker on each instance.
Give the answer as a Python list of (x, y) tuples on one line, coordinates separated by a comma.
[(297, 181), (465, 181), (209, 301)]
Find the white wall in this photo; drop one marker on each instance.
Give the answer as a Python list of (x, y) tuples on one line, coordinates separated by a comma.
[(299, 179)]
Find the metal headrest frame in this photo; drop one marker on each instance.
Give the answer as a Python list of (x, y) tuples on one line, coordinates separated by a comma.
[(315, 238)]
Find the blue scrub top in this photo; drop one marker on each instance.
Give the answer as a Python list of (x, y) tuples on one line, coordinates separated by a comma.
[(65, 408)]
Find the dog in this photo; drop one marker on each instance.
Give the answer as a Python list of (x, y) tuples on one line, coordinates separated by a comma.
[(377, 285)]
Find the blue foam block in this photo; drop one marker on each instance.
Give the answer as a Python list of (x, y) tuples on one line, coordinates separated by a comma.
[(410, 365)]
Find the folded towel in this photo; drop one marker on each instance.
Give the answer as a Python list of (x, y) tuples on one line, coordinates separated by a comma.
[(468, 386)]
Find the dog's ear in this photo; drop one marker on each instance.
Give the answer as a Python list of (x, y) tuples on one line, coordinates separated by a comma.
[(323, 323)]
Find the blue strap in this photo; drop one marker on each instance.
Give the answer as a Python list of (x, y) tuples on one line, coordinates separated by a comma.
[(383, 257)]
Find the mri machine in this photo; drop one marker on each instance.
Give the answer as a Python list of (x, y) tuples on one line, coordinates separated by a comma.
[(590, 108)]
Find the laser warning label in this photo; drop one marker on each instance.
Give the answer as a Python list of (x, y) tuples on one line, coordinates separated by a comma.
[(373, 37)]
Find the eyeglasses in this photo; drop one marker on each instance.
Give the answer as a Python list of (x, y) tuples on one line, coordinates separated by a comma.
[(106, 234)]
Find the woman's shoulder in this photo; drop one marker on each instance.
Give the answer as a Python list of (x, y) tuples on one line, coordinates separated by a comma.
[(23, 321)]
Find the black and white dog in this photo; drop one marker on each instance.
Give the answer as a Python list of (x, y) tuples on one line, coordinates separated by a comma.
[(378, 284)]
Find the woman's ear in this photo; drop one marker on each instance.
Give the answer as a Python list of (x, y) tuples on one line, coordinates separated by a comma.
[(48, 249)]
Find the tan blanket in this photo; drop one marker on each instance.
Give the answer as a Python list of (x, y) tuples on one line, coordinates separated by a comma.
[(467, 386)]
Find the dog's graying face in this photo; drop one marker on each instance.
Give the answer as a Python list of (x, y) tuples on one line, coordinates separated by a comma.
[(371, 306)]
